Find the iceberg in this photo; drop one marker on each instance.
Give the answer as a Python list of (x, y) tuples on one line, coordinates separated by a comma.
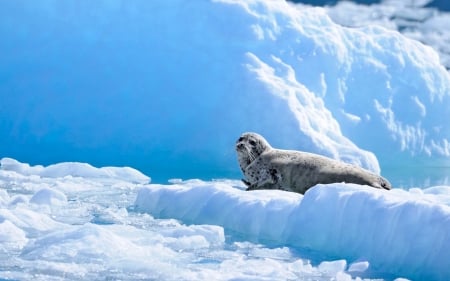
[(169, 86)]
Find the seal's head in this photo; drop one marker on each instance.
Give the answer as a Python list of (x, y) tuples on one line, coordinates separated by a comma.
[(248, 147)]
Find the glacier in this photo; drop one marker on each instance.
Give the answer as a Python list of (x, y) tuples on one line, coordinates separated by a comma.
[(169, 86)]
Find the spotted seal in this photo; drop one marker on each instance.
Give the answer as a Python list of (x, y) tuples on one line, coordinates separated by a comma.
[(265, 167)]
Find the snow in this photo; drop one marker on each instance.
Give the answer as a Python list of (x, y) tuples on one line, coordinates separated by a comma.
[(47, 196), (414, 19), (168, 87), (96, 233), (358, 266), (339, 220), (78, 228), (76, 170)]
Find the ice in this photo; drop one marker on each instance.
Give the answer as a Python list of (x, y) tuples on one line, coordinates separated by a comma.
[(168, 87), (11, 236), (386, 229), (84, 170), (4, 197), (48, 196), (358, 266), (8, 164), (333, 267), (412, 18), (68, 227)]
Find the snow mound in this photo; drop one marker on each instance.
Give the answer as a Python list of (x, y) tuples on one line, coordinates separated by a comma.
[(74, 169), (11, 237), (387, 229), (48, 196)]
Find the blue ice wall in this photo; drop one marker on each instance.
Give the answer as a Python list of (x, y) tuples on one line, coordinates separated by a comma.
[(167, 87)]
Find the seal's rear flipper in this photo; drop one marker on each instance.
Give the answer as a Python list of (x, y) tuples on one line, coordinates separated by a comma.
[(385, 184)]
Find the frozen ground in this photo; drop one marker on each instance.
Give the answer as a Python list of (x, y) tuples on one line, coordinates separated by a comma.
[(71, 221)]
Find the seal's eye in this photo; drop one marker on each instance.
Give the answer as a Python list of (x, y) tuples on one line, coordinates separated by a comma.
[(252, 142)]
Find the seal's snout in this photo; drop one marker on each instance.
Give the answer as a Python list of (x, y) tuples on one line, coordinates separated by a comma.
[(240, 146)]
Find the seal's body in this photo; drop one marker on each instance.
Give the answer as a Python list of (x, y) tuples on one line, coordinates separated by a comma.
[(267, 168)]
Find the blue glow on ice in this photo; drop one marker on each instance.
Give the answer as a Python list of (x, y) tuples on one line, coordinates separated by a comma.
[(168, 86)]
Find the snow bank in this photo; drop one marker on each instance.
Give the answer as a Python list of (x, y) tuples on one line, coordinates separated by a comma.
[(170, 85), (397, 232), (74, 169)]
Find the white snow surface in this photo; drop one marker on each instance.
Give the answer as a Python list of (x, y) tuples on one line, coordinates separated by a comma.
[(398, 232), (170, 85), (76, 227), (74, 169)]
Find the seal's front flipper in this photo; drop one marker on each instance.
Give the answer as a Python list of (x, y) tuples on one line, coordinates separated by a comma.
[(268, 180), (247, 183)]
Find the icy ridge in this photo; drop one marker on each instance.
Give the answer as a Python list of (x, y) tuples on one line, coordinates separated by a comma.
[(399, 232)]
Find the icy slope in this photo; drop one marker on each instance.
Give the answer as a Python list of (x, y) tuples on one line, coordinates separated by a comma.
[(397, 232), (169, 85)]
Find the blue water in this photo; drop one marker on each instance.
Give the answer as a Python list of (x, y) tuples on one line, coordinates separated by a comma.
[(421, 177)]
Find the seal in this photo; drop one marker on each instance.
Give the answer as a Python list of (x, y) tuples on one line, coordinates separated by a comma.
[(265, 167)]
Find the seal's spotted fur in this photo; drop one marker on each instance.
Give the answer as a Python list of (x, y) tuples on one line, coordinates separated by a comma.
[(267, 168)]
